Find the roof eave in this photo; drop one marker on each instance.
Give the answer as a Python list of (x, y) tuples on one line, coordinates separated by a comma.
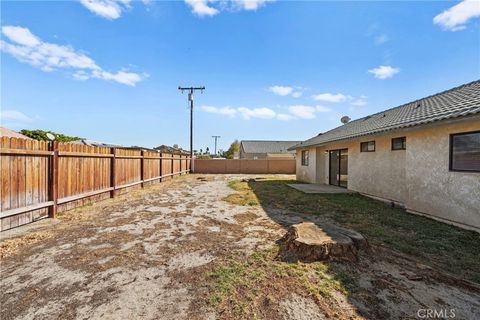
[(401, 127)]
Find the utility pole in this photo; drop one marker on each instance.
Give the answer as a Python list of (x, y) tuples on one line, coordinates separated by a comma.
[(216, 137), (190, 91)]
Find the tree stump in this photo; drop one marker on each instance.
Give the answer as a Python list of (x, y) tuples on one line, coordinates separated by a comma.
[(310, 242)]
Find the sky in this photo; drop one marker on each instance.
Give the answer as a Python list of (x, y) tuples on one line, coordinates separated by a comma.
[(108, 70)]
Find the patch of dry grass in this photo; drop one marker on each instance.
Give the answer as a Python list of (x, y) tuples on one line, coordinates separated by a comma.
[(437, 244), (11, 246), (241, 288)]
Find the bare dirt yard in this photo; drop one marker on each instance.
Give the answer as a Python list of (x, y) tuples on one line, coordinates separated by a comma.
[(206, 247)]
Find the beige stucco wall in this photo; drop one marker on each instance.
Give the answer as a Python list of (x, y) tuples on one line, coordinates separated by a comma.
[(306, 173), (432, 188), (419, 177), (380, 173)]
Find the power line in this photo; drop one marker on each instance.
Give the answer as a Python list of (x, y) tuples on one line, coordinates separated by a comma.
[(190, 91), (216, 137)]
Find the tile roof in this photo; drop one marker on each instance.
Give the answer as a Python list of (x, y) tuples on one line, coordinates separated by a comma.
[(5, 132), (265, 146), (87, 142), (457, 102)]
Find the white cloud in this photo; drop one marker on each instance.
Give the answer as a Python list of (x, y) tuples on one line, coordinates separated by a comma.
[(81, 75), (374, 32), (210, 8), (294, 112), (128, 78), (306, 112), (201, 7), (20, 35), (380, 39), (14, 119), (281, 90), (297, 94), (329, 97), (28, 48), (251, 4), (14, 115), (285, 117), (384, 72), (455, 18), (360, 102), (302, 112), (223, 111), (109, 9), (322, 109), (262, 113)]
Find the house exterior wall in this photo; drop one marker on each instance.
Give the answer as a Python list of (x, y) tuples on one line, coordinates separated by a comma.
[(380, 173), (433, 189), (418, 177), (306, 173)]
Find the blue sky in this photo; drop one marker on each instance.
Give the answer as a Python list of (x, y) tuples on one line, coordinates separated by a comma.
[(108, 70)]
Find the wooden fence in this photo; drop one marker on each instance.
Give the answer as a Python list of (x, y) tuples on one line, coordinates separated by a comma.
[(39, 179), (263, 166)]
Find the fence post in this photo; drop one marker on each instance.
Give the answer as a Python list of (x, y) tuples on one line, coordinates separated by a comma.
[(53, 173), (142, 167), (173, 162), (161, 163), (113, 151), (181, 164)]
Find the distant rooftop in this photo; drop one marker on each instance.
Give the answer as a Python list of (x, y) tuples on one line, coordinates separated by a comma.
[(266, 146), (454, 103), (87, 142), (5, 132)]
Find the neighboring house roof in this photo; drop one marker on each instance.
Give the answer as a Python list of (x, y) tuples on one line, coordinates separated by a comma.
[(265, 146), (5, 132), (92, 143), (168, 149), (454, 103)]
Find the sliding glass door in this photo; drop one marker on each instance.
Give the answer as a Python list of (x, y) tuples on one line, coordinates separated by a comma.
[(338, 167)]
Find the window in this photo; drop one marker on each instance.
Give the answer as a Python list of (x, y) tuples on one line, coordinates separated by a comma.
[(465, 151), (367, 146), (305, 158), (399, 143)]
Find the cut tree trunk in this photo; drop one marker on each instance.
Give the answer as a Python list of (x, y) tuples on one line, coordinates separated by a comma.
[(310, 242)]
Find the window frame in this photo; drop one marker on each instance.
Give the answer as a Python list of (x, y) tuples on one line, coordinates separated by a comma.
[(405, 143), (450, 147), (367, 142), (305, 157)]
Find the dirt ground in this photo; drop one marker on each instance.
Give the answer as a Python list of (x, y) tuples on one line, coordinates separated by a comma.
[(145, 255)]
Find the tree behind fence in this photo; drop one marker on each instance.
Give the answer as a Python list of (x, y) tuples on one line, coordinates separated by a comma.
[(39, 179)]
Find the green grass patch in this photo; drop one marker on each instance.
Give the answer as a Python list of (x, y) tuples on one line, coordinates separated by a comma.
[(437, 244)]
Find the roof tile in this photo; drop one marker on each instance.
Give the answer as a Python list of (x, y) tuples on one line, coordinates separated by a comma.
[(457, 102)]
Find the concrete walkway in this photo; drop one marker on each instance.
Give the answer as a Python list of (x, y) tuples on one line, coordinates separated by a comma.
[(318, 188)]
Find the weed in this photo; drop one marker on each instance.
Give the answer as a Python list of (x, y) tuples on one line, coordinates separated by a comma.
[(437, 244)]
